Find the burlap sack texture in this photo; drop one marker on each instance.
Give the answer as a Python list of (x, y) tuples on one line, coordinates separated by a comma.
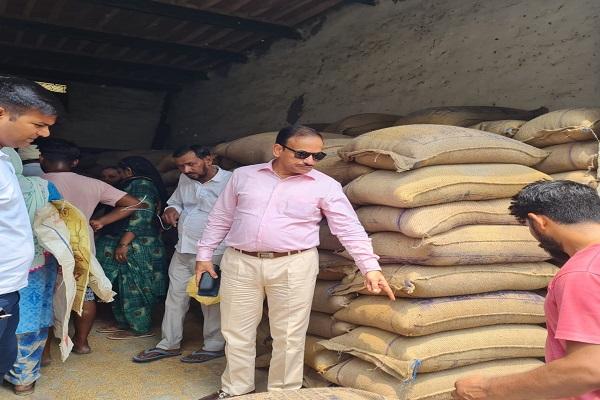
[(584, 177), (440, 184), (360, 374), (570, 157), (358, 124), (402, 148), (318, 357), (467, 115), (432, 220), (561, 126), (342, 171), (404, 357), (465, 245), (419, 317), (506, 127), (315, 394), (324, 325), (425, 282), (324, 301), (333, 267)]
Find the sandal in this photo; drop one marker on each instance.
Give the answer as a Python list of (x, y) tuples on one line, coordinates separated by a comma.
[(24, 390), (200, 356), (109, 329), (124, 335), (155, 354)]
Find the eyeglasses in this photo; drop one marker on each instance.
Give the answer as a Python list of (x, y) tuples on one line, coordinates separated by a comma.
[(303, 155)]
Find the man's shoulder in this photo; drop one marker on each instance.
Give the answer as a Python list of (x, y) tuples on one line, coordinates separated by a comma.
[(581, 265)]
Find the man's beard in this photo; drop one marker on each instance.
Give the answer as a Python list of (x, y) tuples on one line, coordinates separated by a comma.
[(551, 246)]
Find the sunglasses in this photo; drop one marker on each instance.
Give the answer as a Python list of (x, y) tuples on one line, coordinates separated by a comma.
[(303, 155)]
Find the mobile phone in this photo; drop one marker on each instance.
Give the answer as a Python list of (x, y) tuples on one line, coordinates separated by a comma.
[(209, 286)]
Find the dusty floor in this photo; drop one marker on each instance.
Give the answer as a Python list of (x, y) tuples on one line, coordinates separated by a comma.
[(108, 372)]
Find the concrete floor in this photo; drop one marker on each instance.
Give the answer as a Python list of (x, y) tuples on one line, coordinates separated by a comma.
[(108, 373)]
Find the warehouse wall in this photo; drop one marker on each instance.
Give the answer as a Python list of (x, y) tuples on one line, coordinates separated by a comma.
[(401, 56), (110, 117)]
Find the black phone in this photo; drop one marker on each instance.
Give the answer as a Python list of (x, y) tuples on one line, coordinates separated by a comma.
[(209, 286)]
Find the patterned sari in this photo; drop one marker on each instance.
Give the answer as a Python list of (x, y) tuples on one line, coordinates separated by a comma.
[(141, 281)]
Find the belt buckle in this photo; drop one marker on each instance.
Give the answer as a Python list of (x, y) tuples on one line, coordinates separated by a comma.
[(265, 254)]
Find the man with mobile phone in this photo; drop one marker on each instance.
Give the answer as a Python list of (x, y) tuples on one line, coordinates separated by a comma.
[(200, 184), (26, 112)]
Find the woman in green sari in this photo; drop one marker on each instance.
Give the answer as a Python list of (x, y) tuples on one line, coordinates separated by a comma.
[(132, 252)]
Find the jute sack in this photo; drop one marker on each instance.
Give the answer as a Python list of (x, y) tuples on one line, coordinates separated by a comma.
[(360, 374), (319, 358), (323, 325), (402, 148), (404, 357), (333, 267), (570, 157), (255, 149), (333, 165), (431, 220), (439, 184), (561, 126), (325, 302), (358, 124), (584, 177), (465, 245), (506, 127), (170, 178), (325, 393), (327, 240), (419, 317), (467, 115), (426, 282)]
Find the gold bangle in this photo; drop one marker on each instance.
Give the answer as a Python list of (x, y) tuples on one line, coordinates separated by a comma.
[(123, 245)]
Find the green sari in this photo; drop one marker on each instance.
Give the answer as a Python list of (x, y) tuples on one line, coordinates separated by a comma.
[(141, 281)]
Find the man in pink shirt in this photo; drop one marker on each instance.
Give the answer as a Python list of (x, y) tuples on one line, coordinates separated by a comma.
[(269, 216), (564, 216), (58, 158)]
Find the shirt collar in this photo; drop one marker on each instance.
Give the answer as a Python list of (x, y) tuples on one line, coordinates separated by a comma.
[(3, 154), (269, 167)]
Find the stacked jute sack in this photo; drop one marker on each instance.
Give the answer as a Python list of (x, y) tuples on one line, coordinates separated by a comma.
[(258, 148), (570, 138), (462, 268)]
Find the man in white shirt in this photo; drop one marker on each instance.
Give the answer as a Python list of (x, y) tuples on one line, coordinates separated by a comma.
[(200, 184), (26, 112)]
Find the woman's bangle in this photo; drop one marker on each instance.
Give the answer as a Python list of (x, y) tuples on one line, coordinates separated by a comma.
[(123, 245)]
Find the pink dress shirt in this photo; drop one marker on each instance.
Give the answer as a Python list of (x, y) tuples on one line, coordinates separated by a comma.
[(259, 211)]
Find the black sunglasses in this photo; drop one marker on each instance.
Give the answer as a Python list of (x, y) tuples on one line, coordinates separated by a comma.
[(303, 155)]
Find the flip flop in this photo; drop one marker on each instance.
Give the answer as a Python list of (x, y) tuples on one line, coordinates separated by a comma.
[(200, 356), (109, 329), (155, 354), (128, 335)]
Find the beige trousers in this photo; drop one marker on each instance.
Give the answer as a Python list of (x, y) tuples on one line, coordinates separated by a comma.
[(289, 285)]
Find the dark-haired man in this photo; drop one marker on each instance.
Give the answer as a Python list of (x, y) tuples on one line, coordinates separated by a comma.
[(564, 217), (26, 112), (200, 184), (270, 214), (58, 158)]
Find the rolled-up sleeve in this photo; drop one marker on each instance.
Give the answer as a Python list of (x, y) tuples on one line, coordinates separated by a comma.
[(219, 221), (343, 223)]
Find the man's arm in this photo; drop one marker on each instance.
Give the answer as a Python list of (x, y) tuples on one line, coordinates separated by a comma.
[(124, 207), (219, 223), (343, 223), (575, 374)]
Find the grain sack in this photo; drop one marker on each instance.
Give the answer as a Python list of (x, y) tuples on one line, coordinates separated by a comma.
[(404, 357), (432, 220), (325, 302), (420, 281), (327, 240), (583, 177), (170, 178), (312, 379), (465, 245), (402, 148), (467, 115), (561, 126), (255, 149), (506, 127), (342, 171), (336, 393), (319, 358), (323, 325), (358, 124), (418, 317), (441, 184), (360, 374), (570, 157), (333, 267)]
